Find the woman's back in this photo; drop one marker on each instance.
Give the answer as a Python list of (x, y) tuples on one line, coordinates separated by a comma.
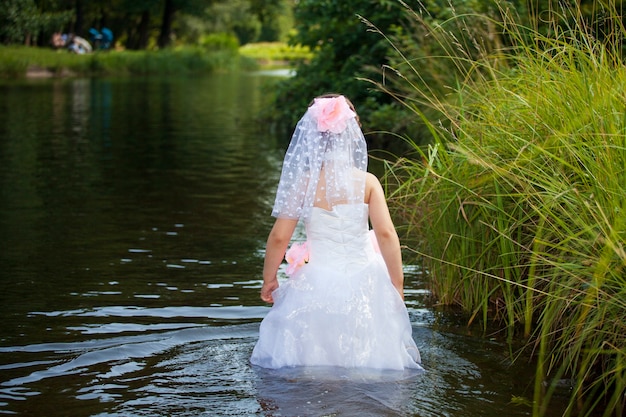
[(345, 306), (339, 309), (340, 238)]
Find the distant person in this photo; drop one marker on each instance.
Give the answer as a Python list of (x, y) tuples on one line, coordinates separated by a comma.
[(58, 40), (343, 305), (78, 45)]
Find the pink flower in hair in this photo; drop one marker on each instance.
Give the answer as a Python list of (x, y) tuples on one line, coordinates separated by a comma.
[(296, 256), (332, 113)]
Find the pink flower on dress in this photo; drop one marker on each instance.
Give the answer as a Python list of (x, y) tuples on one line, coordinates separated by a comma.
[(332, 114), (296, 256)]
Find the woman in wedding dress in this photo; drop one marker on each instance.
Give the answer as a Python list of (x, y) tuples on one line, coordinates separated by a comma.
[(343, 305)]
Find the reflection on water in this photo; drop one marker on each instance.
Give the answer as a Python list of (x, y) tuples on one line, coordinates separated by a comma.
[(133, 219), (167, 361), (336, 391)]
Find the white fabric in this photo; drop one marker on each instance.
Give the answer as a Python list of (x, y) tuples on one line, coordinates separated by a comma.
[(321, 161), (340, 309)]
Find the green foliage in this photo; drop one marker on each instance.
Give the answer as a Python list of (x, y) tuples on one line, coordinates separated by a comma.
[(219, 41), (21, 21), (344, 51), (17, 19), (517, 207), (276, 18), (138, 24), (16, 61), (171, 61), (275, 52), (235, 17), (248, 20)]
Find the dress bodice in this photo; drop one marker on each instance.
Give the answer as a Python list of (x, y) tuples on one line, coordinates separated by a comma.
[(340, 238), (340, 309)]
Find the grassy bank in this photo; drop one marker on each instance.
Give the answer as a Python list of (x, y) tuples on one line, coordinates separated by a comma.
[(216, 53), (275, 54), (18, 61), (518, 208)]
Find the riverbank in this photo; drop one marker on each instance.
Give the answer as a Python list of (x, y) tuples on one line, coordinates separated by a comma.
[(31, 62), (517, 209), (17, 62)]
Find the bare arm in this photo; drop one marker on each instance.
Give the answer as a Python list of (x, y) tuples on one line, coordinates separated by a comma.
[(385, 232), (275, 249)]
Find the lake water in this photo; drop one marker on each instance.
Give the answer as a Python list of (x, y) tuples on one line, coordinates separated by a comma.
[(133, 217)]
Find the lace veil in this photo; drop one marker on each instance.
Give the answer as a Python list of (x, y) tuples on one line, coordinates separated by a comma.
[(325, 163)]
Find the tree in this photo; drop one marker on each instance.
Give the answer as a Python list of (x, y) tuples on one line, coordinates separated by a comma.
[(170, 9), (17, 20), (276, 18), (345, 51), (142, 23), (23, 21)]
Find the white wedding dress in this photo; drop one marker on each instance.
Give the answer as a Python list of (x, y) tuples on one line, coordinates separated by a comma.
[(340, 309)]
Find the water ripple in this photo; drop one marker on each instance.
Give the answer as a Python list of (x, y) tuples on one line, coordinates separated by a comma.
[(227, 313), (118, 349)]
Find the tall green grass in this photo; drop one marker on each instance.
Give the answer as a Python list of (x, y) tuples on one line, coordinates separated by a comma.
[(518, 207)]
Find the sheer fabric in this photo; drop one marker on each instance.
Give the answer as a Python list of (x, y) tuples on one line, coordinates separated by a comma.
[(340, 309), (322, 167)]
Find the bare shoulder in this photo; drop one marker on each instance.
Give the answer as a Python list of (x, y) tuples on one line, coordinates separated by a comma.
[(371, 179), (378, 209), (373, 188), (372, 182)]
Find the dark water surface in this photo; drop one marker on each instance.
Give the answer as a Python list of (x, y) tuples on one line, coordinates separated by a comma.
[(133, 216)]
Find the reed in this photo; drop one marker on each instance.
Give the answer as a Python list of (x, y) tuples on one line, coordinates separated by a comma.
[(517, 207)]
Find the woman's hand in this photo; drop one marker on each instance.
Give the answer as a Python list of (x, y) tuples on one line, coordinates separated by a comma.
[(277, 243), (267, 290)]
